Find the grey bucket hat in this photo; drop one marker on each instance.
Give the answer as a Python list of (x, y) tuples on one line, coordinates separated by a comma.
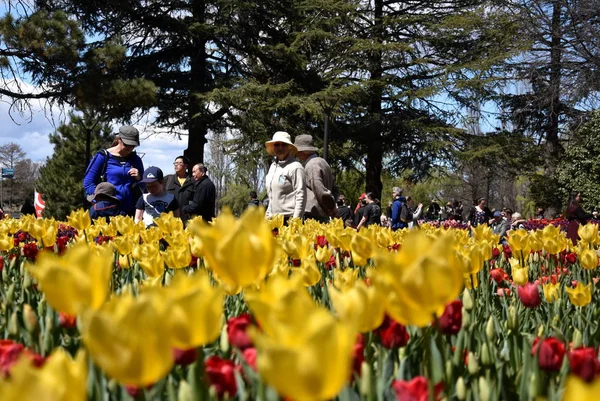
[(304, 143)]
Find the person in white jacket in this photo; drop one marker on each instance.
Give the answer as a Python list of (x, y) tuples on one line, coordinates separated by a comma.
[(286, 179)]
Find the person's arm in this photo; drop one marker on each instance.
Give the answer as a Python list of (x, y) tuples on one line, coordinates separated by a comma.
[(314, 180), (361, 223), (93, 173), (298, 177), (417, 212), (192, 207), (396, 207), (139, 215)]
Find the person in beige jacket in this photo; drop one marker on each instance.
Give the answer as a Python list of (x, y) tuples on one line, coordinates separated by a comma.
[(286, 179), (320, 203)]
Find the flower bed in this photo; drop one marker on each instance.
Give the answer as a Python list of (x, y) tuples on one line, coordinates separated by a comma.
[(251, 309)]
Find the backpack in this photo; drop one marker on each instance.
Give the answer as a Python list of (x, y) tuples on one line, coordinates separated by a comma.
[(405, 216)]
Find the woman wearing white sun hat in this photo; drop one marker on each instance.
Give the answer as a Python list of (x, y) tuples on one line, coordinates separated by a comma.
[(286, 179)]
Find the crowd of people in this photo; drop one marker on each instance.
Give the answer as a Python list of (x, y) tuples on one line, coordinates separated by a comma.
[(298, 183)]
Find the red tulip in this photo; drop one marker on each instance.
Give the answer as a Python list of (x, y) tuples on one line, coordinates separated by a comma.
[(10, 352), (451, 320), (498, 275), (392, 333), (322, 241), (249, 355), (220, 374), (550, 353), (358, 354), (185, 357), (495, 252), (415, 390), (584, 363), (236, 331), (67, 321), (529, 295)]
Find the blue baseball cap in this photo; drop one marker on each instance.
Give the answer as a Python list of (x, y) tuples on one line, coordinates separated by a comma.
[(497, 213), (152, 174)]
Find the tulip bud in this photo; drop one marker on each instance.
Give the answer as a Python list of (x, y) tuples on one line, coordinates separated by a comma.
[(513, 318), (486, 358), (212, 393), (5, 277), (535, 257), (472, 363), (26, 280), (461, 389), (484, 389), (540, 331), (505, 352), (135, 286), (490, 330), (466, 319), (10, 294), (365, 379), (113, 385), (224, 339), (185, 392), (30, 318), (533, 386), (13, 326), (577, 339), (47, 340), (448, 368), (41, 308), (467, 300)]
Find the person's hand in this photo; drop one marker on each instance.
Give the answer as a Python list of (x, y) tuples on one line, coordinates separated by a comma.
[(420, 205), (134, 173)]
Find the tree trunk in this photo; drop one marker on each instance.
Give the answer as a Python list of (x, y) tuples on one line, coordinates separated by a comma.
[(552, 139), (199, 79), (374, 132)]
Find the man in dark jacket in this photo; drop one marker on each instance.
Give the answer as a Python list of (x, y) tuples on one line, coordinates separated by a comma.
[(203, 202), (180, 184)]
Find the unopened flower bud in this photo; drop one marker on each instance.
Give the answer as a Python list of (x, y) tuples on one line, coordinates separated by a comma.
[(26, 280), (577, 339), (168, 279), (486, 358), (13, 325), (448, 368), (365, 379), (505, 352), (472, 363), (466, 319), (5, 277), (461, 389), (533, 386), (513, 318), (212, 393), (10, 294), (41, 307), (30, 318), (467, 300), (540, 331), (535, 257), (484, 389), (224, 339), (490, 330), (185, 392)]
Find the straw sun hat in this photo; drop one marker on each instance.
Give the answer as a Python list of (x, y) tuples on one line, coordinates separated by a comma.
[(283, 137)]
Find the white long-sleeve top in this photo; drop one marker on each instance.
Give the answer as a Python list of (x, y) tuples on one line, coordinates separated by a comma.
[(286, 188)]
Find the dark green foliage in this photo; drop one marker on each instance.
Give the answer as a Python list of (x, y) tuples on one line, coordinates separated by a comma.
[(61, 177)]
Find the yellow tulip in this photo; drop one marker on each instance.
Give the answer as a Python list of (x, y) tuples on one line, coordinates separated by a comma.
[(551, 292), (482, 233), (168, 223), (361, 306), (520, 275), (77, 280), (475, 254), (588, 258), (581, 295), (309, 271), (151, 235), (276, 222), (123, 245), (518, 241), (80, 219), (421, 278), (129, 338), (152, 263), (60, 378), (578, 390), (305, 353), (279, 300), (177, 257), (345, 279), (195, 310), (588, 233), (124, 225), (44, 231), (362, 247), (124, 261), (6, 242), (323, 254), (239, 252)]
